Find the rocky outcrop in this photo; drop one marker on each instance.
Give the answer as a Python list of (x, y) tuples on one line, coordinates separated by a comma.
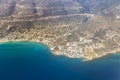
[(43, 8)]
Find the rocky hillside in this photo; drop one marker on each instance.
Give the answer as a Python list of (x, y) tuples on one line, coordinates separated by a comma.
[(56, 7), (41, 7), (95, 6), (74, 28)]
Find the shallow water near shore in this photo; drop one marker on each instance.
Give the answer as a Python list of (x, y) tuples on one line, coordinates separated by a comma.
[(33, 61)]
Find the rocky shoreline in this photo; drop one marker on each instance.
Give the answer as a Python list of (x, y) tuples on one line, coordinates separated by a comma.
[(61, 43), (86, 58), (68, 27)]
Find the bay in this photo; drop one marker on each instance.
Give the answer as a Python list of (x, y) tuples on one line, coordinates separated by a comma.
[(33, 61)]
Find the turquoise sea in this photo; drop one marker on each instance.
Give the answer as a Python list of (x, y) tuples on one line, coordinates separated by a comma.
[(33, 61)]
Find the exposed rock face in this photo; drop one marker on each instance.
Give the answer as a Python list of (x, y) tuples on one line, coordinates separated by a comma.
[(6, 7), (113, 11), (43, 7), (95, 6), (75, 28)]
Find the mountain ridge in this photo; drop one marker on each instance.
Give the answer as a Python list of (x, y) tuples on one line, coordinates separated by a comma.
[(74, 28)]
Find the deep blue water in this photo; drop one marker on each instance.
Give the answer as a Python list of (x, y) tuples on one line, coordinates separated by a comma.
[(33, 61)]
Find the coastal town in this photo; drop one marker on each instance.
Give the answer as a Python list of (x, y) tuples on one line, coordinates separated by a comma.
[(70, 42), (75, 34)]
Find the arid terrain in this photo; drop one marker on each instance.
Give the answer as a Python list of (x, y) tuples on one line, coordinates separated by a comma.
[(74, 28)]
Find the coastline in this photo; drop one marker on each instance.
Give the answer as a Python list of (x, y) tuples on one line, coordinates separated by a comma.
[(17, 41), (72, 43), (84, 58), (74, 35)]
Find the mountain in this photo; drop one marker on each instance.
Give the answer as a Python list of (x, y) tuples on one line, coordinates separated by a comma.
[(95, 6), (74, 28), (113, 11), (43, 7), (56, 7)]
